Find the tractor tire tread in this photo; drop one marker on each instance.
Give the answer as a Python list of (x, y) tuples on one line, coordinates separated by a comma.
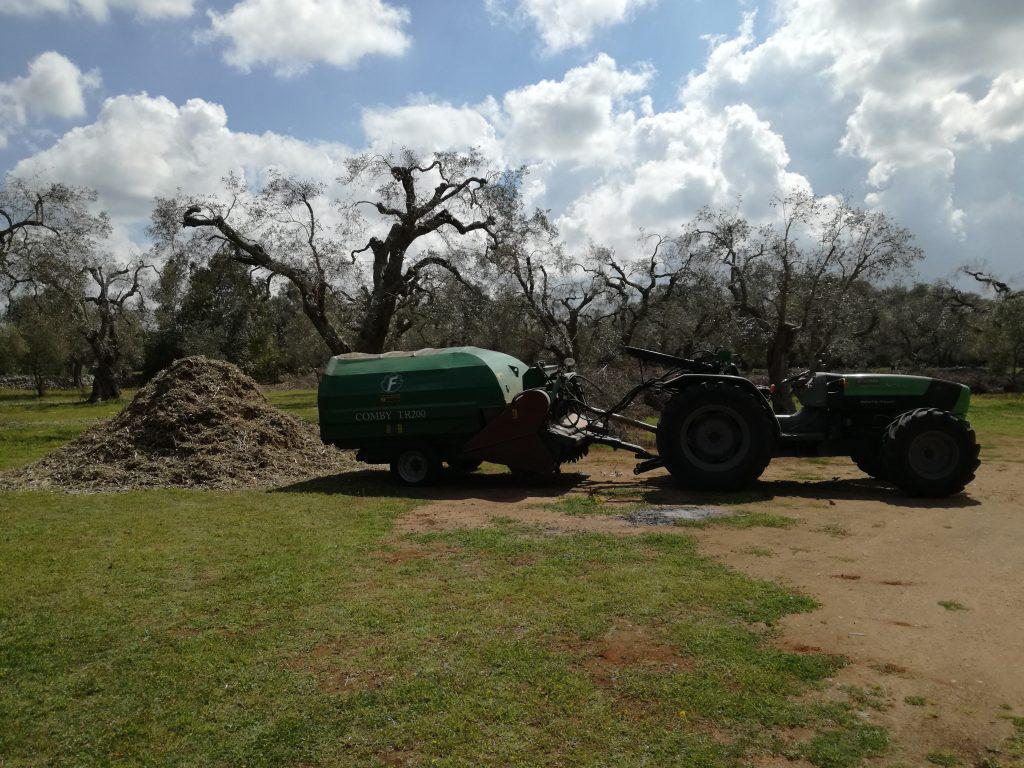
[(893, 451), (872, 465), (762, 429)]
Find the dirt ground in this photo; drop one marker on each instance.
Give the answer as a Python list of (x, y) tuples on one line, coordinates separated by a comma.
[(881, 566)]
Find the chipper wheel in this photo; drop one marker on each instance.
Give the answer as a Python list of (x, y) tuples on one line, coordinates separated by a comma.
[(417, 464), (930, 452), (715, 436)]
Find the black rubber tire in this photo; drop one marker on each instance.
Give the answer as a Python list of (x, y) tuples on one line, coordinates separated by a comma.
[(750, 427), (417, 465), (872, 464), (931, 452)]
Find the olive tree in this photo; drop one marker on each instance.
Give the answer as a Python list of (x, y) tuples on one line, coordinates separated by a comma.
[(58, 251), (352, 272), (1003, 331), (559, 294), (927, 324), (36, 339), (658, 293), (796, 275)]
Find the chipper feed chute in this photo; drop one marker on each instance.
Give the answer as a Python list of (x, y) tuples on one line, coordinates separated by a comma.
[(513, 437)]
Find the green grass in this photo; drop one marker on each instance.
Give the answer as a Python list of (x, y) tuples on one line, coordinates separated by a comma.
[(997, 415), (30, 427), (742, 520), (843, 749), (286, 629), (915, 701), (953, 605), (942, 758), (1012, 750), (577, 504), (206, 628), (298, 402)]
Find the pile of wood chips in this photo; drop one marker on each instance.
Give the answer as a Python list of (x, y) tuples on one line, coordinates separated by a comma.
[(200, 423)]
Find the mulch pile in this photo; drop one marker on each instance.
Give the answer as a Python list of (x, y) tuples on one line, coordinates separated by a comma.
[(198, 424)]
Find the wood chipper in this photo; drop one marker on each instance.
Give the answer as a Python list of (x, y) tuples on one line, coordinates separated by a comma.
[(461, 406), (419, 411), (457, 407)]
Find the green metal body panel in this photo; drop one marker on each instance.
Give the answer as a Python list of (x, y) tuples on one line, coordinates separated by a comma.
[(885, 385), (441, 395), (910, 391)]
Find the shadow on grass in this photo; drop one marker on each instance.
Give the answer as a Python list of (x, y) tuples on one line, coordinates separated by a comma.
[(657, 490), (498, 487)]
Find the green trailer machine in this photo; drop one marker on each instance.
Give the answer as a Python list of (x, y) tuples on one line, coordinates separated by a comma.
[(421, 412), (434, 408)]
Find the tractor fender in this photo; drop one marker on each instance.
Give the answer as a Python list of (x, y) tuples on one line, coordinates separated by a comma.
[(686, 380)]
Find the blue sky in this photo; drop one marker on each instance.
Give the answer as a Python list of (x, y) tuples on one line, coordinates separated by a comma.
[(630, 113), (461, 52)]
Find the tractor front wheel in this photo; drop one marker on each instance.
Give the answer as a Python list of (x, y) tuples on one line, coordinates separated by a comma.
[(715, 436), (873, 464), (931, 452), (416, 465)]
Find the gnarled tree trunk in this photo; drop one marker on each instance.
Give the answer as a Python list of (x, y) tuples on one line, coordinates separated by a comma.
[(105, 385), (779, 348)]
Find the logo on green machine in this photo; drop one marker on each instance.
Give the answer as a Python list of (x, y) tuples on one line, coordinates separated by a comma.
[(391, 383)]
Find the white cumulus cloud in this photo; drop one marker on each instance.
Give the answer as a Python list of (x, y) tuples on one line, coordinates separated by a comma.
[(901, 93), (53, 87), (680, 161), (141, 146), (432, 127), (601, 157), (99, 9), (291, 35), (564, 24), (581, 118)]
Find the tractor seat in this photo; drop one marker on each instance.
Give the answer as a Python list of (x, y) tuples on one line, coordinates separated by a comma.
[(816, 386)]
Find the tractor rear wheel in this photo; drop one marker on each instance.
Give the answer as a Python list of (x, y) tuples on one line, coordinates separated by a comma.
[(931, 452), (416, 465), (715, 436)]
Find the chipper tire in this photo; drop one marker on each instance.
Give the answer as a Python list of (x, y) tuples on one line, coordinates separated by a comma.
[(417, 465), (931, 452), (715, 436)]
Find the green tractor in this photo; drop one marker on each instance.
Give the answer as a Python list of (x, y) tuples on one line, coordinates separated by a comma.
[(447, 410), (718, 431)]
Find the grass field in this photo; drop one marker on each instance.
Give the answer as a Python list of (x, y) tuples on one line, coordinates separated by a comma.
[(997, 415), (291, 628)]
